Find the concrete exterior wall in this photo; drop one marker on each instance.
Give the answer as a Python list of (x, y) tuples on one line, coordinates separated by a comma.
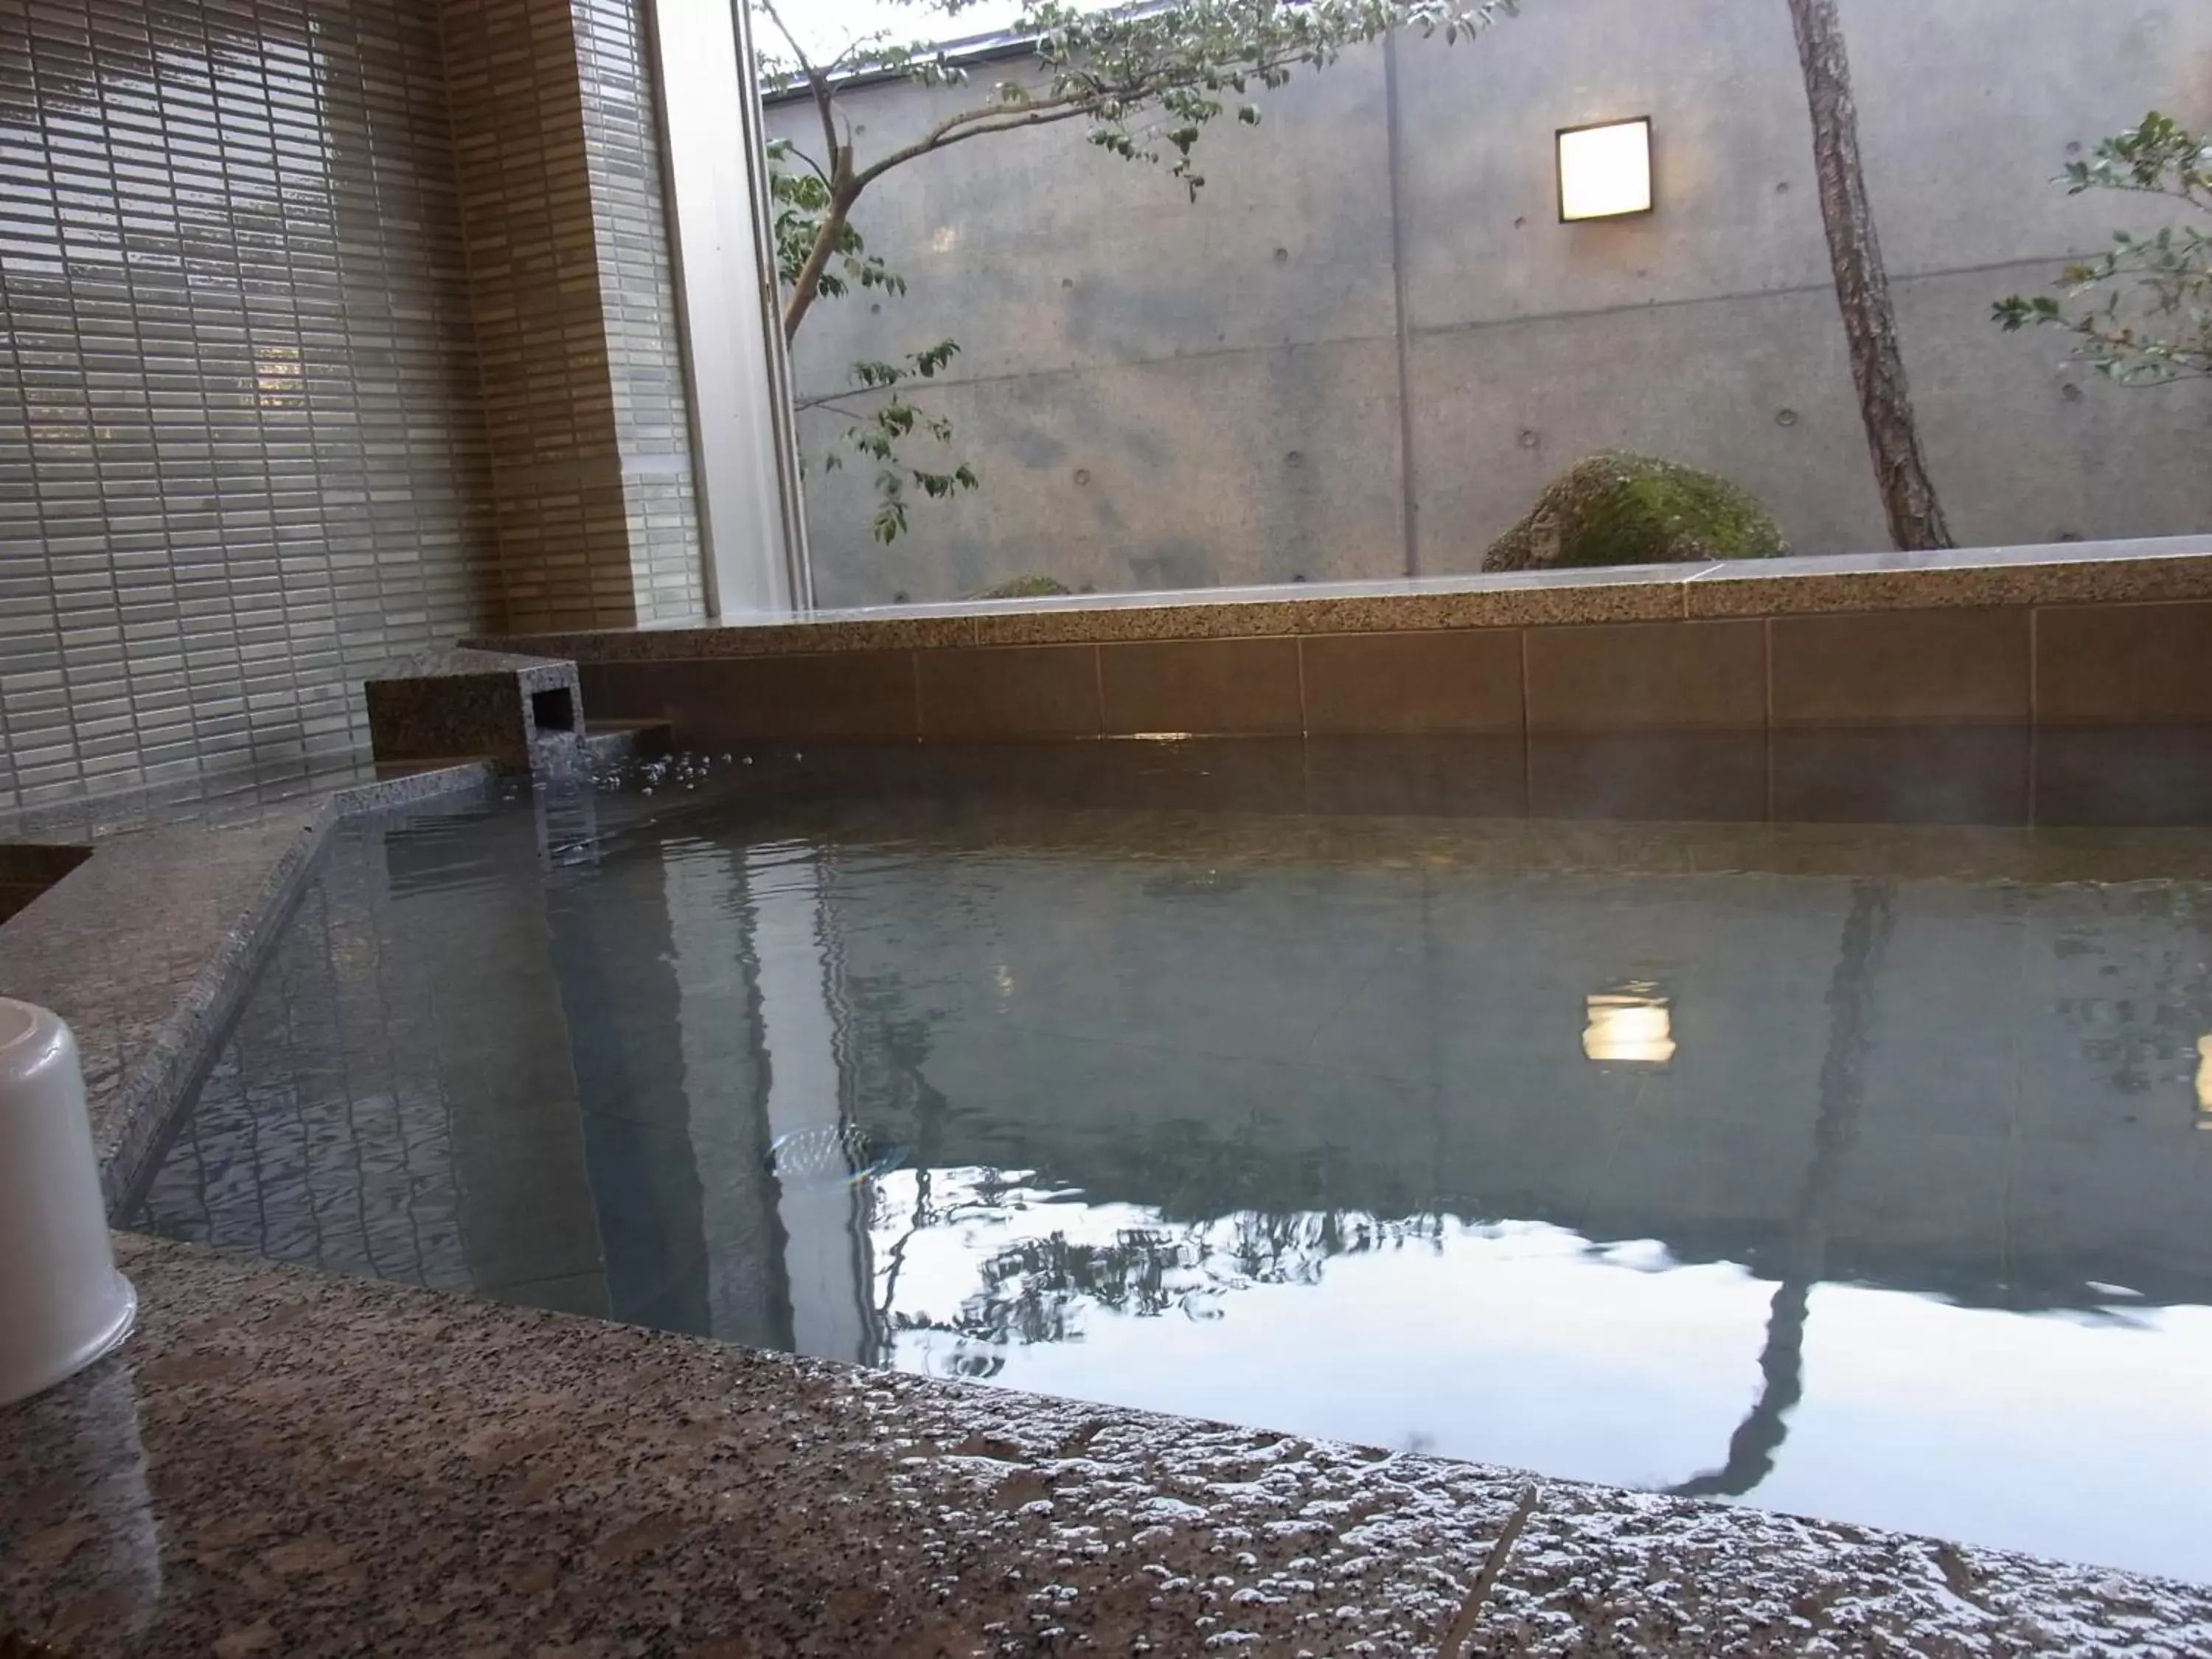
[(1164, 394)]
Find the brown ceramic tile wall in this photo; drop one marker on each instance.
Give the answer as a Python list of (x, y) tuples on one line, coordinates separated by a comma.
[(525, 192), (555, 142), (2118, 665), (1206, 688), (1849, 676), (855, 694), (1465, 680), (1932, 667), (1679, 676), (637, 283), (1022, 691), (240, 456)]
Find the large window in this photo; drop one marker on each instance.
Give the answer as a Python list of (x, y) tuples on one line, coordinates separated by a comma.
[(1153, 299)]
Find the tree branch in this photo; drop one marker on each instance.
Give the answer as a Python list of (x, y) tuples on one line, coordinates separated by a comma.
[(812, 166), (797, 51), (2179, 193), (840, 155), (859, 44), (834, 402), (1066, 105), (948, 133), (985, 112), (808, 284), (817, 83)]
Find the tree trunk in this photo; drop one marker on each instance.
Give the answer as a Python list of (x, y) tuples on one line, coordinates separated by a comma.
[(1915, 517), (844, 192)]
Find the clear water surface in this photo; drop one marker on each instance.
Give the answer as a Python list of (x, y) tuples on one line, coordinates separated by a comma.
[(1861, 1172)]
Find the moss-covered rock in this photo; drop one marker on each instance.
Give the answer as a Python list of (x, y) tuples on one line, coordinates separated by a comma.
[(1024, 587), (1617, 508)]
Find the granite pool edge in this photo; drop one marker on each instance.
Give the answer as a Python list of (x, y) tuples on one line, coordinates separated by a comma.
[(156, 1092), (110, 893), (2165, 569), (284, 1460)]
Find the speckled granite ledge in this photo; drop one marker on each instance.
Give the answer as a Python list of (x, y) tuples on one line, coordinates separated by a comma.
[(146, 947), (518, 711), (2074, 573), (284, 1463)]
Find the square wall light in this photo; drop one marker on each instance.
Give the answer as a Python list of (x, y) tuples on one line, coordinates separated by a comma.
[(1604, 171)]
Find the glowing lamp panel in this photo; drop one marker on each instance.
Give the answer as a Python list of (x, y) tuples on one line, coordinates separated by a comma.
[(1605, 172)]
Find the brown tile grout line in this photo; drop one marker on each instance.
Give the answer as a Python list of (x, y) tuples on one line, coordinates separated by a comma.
[(1528, 742), (1521, 643), (1766, 679), (2034, 663), (2034, 713)]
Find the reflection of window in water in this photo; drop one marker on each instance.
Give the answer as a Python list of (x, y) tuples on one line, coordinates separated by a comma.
[(1133, 1262), (1632, 1025)]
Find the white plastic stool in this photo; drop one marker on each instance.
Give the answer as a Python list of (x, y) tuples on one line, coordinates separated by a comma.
[(61, 1303)]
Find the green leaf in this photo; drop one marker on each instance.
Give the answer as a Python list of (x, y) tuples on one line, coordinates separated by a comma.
[(1146, 82), (2148, 317)]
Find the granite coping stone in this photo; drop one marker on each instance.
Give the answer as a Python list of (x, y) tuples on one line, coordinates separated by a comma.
[(228, 795), (439, 704), (2067, 572), (282, 1462), (535, 672)]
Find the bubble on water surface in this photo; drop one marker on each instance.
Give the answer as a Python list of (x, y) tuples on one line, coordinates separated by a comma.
[(832, 1153), (1194, 883)]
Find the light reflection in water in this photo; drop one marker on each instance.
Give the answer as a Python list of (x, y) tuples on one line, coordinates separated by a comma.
[(1633, 1026), (1542, 1350)]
